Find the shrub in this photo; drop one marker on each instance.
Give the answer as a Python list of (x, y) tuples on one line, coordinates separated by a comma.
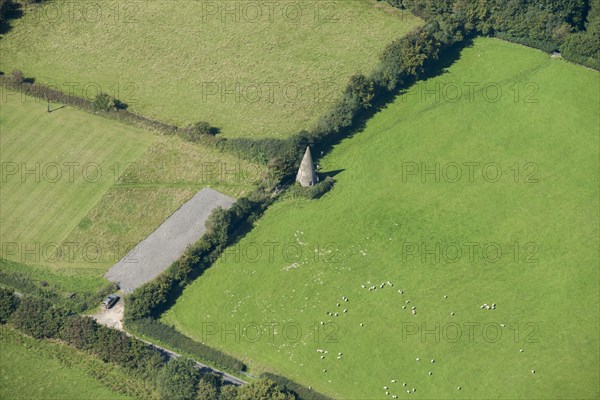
[(583, 48), (313, 192), (219, 224), (404, 59), (111, 345), (38, 318), (206, 390), (17, 76), (166, 334), (321, 188), (80, 332), (144, 299), (264, 389), (360, 90), (204, 128), (177, 380), (303, 392), (198, 131), (228, 392), (8, 304), (103, 102)]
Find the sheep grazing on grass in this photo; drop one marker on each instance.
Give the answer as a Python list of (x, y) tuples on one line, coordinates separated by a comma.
[(345, 310), (404, 384), (459, 388), (430, 373), (385, 388), (393, 381), (400, 291), (533, 371), (404, 307), (521, 350), (324, 370), (362, 324), (452, 313), (322, 357), (445, 296), (418, 359)]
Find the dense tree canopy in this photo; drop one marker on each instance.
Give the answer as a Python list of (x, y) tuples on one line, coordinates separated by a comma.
[(569, 25)]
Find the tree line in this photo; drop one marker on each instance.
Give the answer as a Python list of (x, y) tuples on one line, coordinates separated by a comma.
[(571, 26), (171, 379)]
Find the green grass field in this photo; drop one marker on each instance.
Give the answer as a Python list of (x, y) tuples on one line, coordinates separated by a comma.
[(32, 369), (178, 60), (92, 188), (70, 154), (380, 221)]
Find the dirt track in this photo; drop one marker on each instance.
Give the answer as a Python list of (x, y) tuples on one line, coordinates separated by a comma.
[(113, 318)]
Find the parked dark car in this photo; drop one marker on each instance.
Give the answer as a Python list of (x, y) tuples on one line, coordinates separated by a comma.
[(110, 301)]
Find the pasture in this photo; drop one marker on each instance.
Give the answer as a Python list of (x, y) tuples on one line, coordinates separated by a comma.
[(55, 168), (79, 191), (38, 369), (444, 203), (249, 68)]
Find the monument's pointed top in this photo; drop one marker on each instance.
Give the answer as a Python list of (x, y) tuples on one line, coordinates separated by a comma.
[(306, 173)]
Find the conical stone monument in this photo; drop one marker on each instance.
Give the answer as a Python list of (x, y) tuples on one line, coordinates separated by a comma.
[(306, 173)]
